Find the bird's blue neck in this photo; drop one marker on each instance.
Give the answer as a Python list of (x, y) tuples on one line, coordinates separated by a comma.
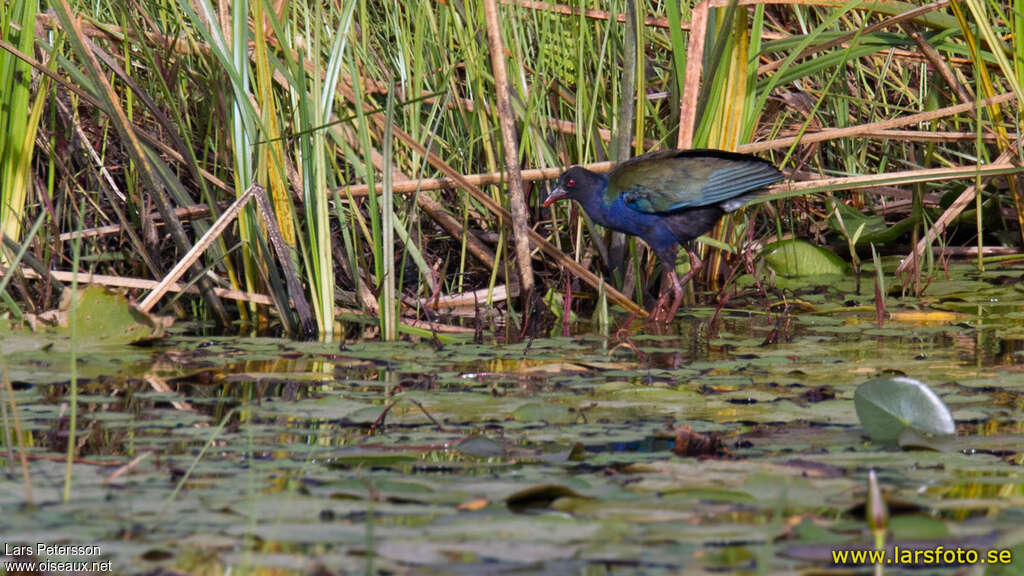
[(597, 207)]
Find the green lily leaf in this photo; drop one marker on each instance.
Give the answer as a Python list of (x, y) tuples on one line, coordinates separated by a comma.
[(886, 407), (799, 258)]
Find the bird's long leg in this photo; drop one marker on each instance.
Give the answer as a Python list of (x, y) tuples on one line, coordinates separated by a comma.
[(661, 306), (677, 296), (696, 264), (677, 283)]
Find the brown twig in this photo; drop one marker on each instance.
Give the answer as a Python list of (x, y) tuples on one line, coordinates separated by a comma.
[(379, 422), (999, 167), (186, 213), (127, 467)]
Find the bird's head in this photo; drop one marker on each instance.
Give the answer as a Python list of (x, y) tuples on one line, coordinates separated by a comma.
[(575, 183)]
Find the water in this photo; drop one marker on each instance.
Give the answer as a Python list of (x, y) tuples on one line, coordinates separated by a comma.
[(548, 457)]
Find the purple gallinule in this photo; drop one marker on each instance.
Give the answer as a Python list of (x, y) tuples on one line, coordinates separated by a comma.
[(667, 198)]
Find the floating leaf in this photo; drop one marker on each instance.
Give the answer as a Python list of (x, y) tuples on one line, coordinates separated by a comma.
[(799, 258), (537, 411), (888, 406), (355, 459), (541, 496), (478, 446)]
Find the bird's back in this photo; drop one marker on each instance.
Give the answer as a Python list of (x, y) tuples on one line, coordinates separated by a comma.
[(676, 180)]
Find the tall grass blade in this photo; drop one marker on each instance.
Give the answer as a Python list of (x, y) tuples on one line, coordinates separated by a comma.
[(17, 124), (388, 298)]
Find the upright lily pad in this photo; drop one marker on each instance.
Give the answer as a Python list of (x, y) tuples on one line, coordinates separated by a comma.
[(873, 228), (103, 316), (795, 257), (886, 407)]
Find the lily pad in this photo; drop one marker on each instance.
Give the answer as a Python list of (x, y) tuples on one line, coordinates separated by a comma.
[(796, 257), (538, 497), (548, 456), (104, 316), (873, 228), (888, 406), (542, 411)]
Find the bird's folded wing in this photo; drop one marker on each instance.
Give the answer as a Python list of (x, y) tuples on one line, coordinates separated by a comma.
[(674, 180)]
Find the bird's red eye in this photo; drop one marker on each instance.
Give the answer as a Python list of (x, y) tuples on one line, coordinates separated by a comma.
[(570, 183)]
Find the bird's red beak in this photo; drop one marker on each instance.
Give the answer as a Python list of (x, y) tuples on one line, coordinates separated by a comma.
[(557, 194)]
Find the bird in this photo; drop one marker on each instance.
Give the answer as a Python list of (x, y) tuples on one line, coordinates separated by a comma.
[(667, 198)]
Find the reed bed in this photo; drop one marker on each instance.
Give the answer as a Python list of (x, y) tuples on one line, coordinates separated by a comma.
[(388, 159)]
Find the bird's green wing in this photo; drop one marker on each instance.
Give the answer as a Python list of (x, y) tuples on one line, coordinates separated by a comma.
[(677, 179)]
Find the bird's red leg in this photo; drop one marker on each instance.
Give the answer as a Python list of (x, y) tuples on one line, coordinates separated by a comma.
[(660, 307), (695, 266), (677, 296), (677, 283)]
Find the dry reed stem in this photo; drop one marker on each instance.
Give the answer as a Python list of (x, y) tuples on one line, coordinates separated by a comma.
[(510, 146), (694, 68), (854, 131), (238, 295), (999, 167), (196, 251), (932, 55), (184, 214), (878, 129), (471, 298), (949, 215), (141, 284), (160, 385)]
